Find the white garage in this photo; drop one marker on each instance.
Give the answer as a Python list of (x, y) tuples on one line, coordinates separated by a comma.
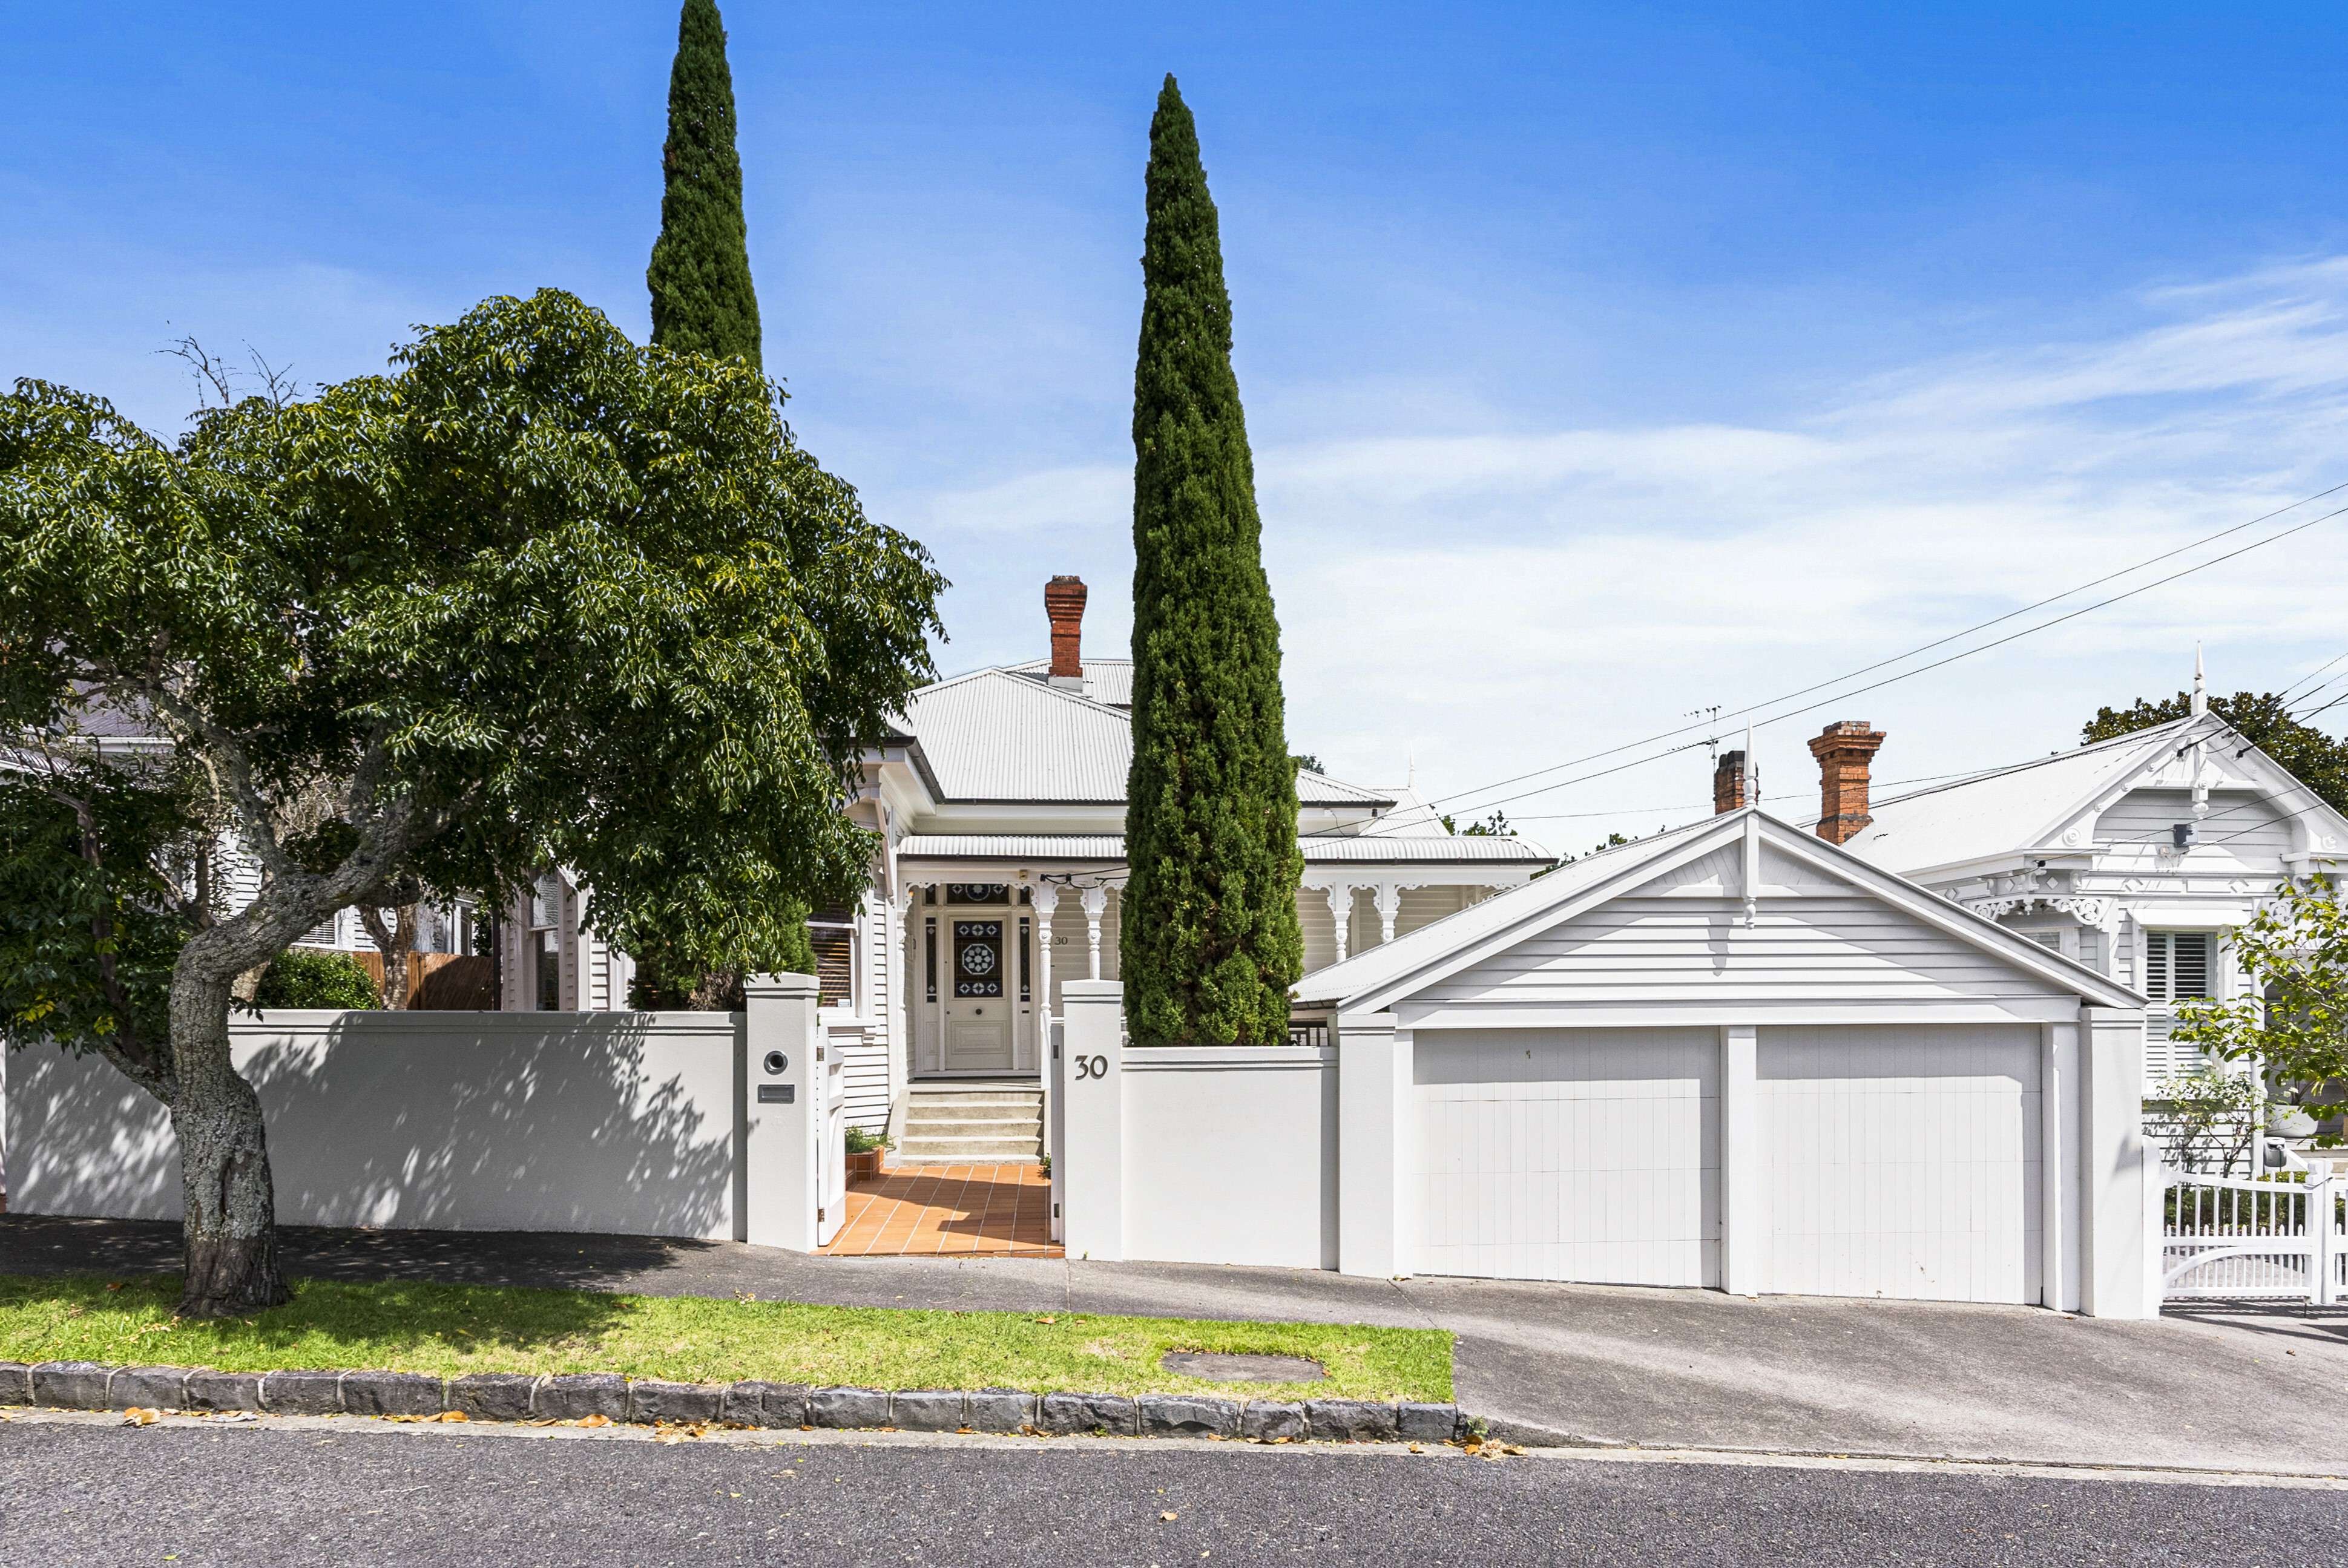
[(1737, 1056)]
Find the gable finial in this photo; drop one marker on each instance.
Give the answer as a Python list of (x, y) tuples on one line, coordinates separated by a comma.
[(2201, 690)]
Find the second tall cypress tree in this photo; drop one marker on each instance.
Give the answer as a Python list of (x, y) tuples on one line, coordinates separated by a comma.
[(700, 271), (1208, 930)]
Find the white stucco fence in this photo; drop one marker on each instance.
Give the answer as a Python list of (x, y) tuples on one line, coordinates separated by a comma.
[(640, 1123)]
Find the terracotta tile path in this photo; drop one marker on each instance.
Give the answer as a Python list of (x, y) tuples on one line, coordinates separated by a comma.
[(997, 1210)]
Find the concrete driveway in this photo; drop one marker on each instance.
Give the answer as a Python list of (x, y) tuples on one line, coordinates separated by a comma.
[(2241, 1389)]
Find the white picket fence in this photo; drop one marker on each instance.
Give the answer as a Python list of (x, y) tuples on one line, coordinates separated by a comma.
[(2253, 1238)]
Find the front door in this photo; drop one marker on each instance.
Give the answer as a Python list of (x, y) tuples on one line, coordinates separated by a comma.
[(978, 1009)]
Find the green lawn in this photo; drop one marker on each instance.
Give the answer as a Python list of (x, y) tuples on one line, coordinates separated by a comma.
[(457, 1328)]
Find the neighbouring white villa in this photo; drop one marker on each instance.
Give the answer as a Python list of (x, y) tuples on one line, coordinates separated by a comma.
[(999, 804), (2132, 855)]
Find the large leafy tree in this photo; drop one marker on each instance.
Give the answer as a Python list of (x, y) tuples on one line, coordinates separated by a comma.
[(1209, 935), (700, 271), (2264, 719), (535, 596)]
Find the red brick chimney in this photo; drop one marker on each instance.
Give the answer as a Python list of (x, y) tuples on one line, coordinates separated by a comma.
[(1063, 604), (1729, 789), (1844, 751)]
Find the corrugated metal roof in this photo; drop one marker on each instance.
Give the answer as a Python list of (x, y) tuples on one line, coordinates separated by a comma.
[(1109, 848), (2009, 810), (1001, 735), (1108, 680), (1094, 847), (1347, 849), (995, 736)]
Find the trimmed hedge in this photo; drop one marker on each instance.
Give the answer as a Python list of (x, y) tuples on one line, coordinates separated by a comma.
[(302, 979)]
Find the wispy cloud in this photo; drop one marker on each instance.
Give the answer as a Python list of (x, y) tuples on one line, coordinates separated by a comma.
[(1490, 601)]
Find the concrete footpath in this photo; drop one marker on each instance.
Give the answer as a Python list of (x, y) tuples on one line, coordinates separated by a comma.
[(1668, 1369)]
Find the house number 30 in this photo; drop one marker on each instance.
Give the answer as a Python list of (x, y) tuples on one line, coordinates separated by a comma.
[(1092, 1067)]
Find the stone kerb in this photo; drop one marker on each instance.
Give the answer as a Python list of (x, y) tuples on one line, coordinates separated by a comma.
[(752, 1404)]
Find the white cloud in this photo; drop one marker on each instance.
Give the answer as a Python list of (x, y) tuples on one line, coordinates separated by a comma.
[(1492, 602)]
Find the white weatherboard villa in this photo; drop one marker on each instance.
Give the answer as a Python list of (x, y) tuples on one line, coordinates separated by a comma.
[(999, 807)]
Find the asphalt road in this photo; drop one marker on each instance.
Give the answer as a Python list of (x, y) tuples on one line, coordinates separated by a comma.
[(2221, 1389), (269, 1495)]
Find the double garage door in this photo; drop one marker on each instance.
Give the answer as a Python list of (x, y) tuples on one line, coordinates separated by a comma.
[(1898, 1162)]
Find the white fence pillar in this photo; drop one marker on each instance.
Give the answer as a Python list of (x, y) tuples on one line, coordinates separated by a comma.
[(1744, 1223), (2114, 1235), (1374, 1112), (778, 1088), (1089, 1166)]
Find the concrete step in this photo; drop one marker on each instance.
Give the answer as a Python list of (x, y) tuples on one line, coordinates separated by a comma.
[(961, 1150), (921, 1116)]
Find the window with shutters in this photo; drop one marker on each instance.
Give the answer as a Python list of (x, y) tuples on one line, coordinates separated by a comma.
[(2177, 965), (833, 936)]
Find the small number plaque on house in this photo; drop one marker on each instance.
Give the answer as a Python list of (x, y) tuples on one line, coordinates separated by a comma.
[(778, 1093)]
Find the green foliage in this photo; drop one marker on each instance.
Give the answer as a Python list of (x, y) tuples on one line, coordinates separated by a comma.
[(2294, 1022), (1209, 933), (677, 970), (539, 596), (700, 273), (862, 1141), (1307, 762), (306, 977), (92, 857), (1493, 827), (2315, 759), (2204, 1120)]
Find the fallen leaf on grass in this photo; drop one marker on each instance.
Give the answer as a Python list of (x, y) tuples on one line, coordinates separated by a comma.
[(139, 1416), (114, 1284)]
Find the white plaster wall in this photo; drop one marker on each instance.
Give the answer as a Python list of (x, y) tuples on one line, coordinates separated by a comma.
[(590, 1121), (1229, 1155)]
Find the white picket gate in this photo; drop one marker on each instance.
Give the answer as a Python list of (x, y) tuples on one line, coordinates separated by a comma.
[(2244, 1238)]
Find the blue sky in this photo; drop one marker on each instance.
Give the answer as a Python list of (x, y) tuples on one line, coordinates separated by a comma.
[(1603, 363)]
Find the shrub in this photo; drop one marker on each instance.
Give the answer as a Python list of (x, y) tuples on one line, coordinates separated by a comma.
[(299, 979), (863, 1141)]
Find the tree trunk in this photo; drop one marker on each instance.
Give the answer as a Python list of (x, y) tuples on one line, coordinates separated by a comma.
[(394, 941), (231, 1228)]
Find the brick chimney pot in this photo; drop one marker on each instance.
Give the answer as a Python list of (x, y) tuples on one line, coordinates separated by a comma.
[(1064, 606), (1730, 789), (1844, 751)]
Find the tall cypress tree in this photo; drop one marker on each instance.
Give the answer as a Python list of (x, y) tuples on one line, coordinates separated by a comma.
[(700, 271), (1208, 931)]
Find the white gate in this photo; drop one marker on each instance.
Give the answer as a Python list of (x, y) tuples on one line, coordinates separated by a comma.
[(2243, 1238)]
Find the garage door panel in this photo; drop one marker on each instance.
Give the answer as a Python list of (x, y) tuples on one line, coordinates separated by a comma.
[(1582, 1155), (1901, 1161)]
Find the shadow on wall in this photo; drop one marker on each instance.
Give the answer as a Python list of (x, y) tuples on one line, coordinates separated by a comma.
[(565, 1122)]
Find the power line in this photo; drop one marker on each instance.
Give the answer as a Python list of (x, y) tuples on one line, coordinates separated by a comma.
[(1712, 720)]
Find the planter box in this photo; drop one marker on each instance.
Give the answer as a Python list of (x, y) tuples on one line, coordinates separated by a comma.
[(866, 1166)]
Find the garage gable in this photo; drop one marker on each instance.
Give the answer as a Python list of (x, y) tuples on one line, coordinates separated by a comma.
[(1742, 915)]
